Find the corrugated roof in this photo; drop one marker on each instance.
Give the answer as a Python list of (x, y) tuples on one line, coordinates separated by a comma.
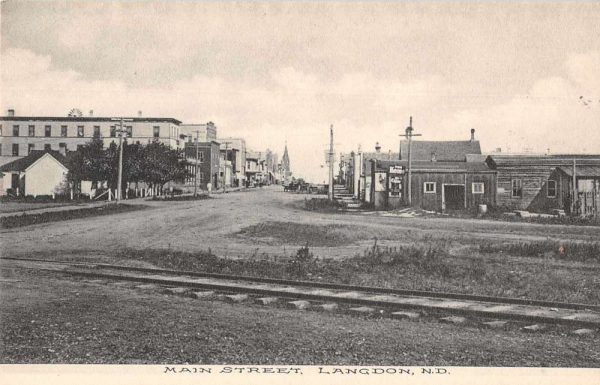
[(582, 171), (22, 164), (542, 160), (445, 151)]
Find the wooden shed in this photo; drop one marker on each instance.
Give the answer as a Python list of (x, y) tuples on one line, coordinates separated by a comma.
[(436, 186)]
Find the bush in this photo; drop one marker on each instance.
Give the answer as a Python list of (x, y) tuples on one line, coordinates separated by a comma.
[(323, 205), (300, 264)]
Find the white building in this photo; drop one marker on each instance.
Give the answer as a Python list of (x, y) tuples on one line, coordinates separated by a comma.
[(39, 173)]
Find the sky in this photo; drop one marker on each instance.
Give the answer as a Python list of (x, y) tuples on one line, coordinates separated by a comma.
[(525, 76)]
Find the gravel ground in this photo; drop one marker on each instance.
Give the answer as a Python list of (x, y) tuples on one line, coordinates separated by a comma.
[(47, 319)]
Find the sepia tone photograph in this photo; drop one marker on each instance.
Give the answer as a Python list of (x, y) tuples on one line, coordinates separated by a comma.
[(344, 189)]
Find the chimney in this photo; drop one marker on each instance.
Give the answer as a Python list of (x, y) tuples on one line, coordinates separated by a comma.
[(91, 113), (139, 113), (11, 112), (472, 134), (377, 147)]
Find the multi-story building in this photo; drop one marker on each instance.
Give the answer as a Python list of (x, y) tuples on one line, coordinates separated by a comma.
[(208, 164), (206, 132), (233, 150), (23, 134)]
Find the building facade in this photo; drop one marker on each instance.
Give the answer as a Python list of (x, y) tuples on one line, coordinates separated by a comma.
[(22, 134), (538, 183)]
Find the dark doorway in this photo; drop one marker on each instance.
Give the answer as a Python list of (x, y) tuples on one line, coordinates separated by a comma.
[(454, 197)]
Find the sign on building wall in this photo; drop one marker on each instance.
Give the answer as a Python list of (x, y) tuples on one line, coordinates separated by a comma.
[(395, 186), (396, 169), (380, 178)]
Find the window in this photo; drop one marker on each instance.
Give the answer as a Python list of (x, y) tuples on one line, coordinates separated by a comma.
[(47, 147), (0, 148), (15, 130), (551, 189), (156, 132), (429, 187), (128, 131), (31, 131), (517, 189), (201, 156), (47, 130), (79, 147), (62, 147), (477, 188), (96, 131), (30, 147), (15, 149), (80, 131), (63, 131), (0, 130), (113, 131)]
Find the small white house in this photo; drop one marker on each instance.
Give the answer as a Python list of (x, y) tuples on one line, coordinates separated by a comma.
[(39, 173)]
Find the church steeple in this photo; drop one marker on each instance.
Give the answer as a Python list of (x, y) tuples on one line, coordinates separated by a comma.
[(285, 165), (285, 160)]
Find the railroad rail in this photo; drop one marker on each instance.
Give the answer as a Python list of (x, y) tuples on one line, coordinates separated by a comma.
[(370, 299)]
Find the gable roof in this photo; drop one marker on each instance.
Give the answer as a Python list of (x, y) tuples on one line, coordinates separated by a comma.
[(24, 163), (444, 150)]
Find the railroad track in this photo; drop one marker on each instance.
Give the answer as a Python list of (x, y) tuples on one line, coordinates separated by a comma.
[(395, 303)]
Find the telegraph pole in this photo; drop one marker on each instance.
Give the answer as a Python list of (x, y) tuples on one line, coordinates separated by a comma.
[(120, 172), (330, 195), (196, 167), (408, 135), (225, 167)]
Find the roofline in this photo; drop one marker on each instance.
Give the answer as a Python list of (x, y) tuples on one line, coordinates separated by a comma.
[(42, 157), (84, 119)]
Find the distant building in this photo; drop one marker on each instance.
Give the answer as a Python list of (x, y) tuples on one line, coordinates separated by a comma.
[(208, 165), (206, 132), (41, 172), (233, 150)]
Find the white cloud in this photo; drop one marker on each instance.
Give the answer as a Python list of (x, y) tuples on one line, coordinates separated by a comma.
[(299, 107)]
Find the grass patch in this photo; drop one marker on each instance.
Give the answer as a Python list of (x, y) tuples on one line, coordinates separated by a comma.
[(300, 233), (425, 266), (55, 216), (323, 205), (571, 251)]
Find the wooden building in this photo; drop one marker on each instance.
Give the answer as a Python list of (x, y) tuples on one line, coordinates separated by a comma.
[(436, 186), (541, 183)]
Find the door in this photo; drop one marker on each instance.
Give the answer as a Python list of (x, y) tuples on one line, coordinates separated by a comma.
[(454, 197)]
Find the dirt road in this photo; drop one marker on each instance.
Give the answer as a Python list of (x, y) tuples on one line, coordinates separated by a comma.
[(214, 223)]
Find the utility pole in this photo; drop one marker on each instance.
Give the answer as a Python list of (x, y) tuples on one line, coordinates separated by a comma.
[(196, 167), (408, 135), (330, 195), (225, 167), (574, 182), (120, 172)]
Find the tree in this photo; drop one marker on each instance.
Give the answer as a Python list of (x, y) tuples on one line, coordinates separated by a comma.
[(159, 164), (89, 162)]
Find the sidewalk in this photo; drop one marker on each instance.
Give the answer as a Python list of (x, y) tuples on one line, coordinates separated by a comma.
[(74, 206)]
